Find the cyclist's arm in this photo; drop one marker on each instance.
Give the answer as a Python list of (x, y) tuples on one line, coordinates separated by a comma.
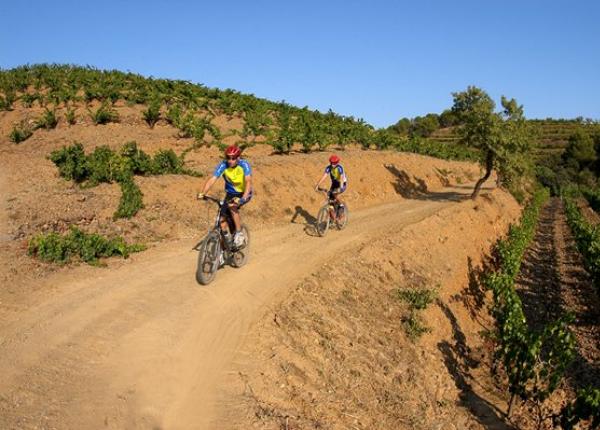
[(248, 188), (209, 184), (321, 180)]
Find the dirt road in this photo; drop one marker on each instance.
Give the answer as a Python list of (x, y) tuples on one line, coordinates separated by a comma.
[(144, 346)]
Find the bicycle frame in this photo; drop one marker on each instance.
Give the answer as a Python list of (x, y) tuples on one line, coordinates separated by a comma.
[(225, 214), (332, 202)]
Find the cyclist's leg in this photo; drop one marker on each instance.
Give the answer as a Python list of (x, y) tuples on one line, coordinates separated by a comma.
[(234, 207), (224, 223), (337, 195)]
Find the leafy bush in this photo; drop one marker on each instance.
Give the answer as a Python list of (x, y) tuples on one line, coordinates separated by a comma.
[(48, 120), (70, 116), (104, 114), (585, 407), (417, 299), (56, 248), (173, 115), (105, 165), (71, 162), (28, 99), (131, 199), (21, 132), (593, 197), (7, 100), (587, 238), (165, 161), (152, 114)]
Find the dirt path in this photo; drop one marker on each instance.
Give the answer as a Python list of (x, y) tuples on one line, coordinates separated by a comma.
[(143, 346)]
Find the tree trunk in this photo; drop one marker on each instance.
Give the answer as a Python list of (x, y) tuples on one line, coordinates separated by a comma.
[(489, 164)]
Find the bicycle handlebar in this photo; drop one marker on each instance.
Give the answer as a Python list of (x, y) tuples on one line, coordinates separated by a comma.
[(212, 199)]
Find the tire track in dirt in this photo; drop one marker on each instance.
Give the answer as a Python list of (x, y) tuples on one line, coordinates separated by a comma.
[(144, 346)]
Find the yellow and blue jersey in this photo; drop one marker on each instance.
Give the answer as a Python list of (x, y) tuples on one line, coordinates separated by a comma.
[(235, 177), (336, 173)]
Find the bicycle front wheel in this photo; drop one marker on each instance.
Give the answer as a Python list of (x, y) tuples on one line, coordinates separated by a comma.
[(342, 217), (322, 221), (208, 258), (240, 256)]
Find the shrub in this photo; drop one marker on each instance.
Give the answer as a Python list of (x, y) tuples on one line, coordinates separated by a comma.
[(7, 101), (152, 114), (417, 300), (21, 132), (131, 199), (70, 116), (28, 99), (48, 120), (186, 125), (105, 165), (585, 407), (71, 162), (173, 115), (104, 114), (56, 248), (166, 161)]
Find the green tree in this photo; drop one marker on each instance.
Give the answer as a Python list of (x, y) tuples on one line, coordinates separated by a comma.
[(402, 127), (424, 126), (503, 138), (448, 118), (580, 151)]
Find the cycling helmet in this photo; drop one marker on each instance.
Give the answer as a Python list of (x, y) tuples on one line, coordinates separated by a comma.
[(334, 159), (233, 151)]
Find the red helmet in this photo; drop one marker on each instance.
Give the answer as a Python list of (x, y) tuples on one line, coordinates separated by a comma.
[(233, 151), (334, 159)]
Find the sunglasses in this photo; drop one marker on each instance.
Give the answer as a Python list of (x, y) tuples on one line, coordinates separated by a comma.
[(232, 158)]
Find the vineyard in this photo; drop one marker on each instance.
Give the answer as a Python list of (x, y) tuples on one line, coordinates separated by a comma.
[(191, 108), (551, 136), (437, 307)]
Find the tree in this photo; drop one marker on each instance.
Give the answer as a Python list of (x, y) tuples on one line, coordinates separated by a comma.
[(502, 138), (580, 150), (424, 126), (448, 118), (402, 127)]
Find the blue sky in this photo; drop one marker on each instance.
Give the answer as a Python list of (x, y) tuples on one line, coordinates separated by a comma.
[(376, 60)]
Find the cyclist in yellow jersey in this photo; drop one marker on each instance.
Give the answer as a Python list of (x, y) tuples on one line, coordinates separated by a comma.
[(238, 186), (338, 178)]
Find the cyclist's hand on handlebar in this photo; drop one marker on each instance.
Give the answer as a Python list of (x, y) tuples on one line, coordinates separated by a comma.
[(200, 196)]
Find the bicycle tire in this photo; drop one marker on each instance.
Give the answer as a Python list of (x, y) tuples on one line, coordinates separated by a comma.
[(342, 224), (240, 256), (322, 223), (208, 258)]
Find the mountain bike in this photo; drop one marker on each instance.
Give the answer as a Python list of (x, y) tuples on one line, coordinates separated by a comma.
[(331, 212), (217, 248)]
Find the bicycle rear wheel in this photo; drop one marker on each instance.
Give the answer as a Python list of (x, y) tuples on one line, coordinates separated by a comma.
[(208, 258), (322, 221), (342, 217)]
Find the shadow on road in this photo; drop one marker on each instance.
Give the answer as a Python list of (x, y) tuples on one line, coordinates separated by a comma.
[(416, 188), (310, 222)]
